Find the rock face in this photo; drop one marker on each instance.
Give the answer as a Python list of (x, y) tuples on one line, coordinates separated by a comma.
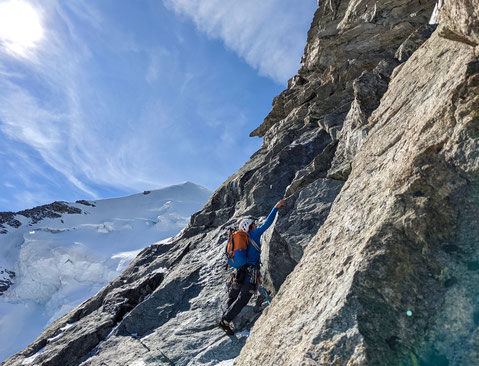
[(374, 259), (460, 21), (391, 278)]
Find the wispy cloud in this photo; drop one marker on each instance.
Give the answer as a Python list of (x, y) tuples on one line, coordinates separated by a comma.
[(32, 198), (39, 103), (48, 129), (265, 33), (161, 64), (100, 105)]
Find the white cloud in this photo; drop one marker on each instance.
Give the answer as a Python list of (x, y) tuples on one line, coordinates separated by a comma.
[(269, 34)]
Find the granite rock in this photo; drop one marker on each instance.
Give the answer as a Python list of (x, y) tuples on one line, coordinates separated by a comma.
[(391, 276), (460, 21)]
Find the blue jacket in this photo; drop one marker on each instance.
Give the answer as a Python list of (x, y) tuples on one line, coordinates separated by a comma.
[(253, 254)]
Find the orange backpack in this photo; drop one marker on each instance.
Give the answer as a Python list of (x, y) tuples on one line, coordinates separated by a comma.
[(237, 249)]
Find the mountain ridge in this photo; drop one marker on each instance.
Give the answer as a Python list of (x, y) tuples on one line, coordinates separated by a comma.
[(55, 256), (372, 260)]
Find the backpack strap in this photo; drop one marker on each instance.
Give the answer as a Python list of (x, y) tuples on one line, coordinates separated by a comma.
[(230, 239), (256, 246)]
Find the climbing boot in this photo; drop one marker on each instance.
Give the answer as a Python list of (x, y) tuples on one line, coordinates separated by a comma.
[(226, 326)]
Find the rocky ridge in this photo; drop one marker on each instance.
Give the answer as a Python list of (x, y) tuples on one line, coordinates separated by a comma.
[(32, 216), (373, 260)]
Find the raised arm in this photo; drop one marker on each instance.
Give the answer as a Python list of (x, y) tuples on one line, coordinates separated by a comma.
[(269, 220)]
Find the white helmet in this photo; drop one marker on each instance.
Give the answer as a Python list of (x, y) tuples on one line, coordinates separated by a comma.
[(245, 224)]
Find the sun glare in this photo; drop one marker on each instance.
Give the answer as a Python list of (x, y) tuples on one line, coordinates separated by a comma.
[(20, 27)]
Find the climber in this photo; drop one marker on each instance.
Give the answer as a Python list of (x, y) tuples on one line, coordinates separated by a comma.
[(245, 281)]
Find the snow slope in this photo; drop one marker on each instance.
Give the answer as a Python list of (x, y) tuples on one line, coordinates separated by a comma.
[(59, 262)]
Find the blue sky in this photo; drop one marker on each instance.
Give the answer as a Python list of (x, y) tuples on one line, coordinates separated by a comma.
[(111, 97)]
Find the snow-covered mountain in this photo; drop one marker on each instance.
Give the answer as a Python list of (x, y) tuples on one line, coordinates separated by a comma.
[(54, 257)]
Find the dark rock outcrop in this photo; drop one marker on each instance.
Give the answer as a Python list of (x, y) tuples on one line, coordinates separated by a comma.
[(374, 258), (6, 280), (8, 218), (86, 203), (35, 215), (51, 211)]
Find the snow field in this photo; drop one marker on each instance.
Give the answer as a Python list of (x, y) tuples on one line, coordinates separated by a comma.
[(61, 262)]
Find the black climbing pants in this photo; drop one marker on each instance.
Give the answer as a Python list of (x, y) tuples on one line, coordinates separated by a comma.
[(239, 294)]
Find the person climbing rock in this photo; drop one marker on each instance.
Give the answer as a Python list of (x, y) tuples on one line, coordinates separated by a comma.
[(245, 281)]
